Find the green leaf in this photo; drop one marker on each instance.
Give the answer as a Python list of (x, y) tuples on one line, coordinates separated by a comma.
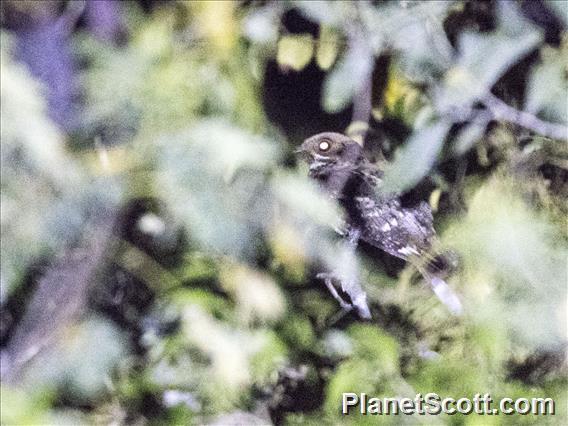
[(547, 87), (298, 331), (42, 186), (301, 197), (213, 177), (345, 79), (560, 7), (469, 136), (322, 11), (512, 260), (19, 406), (415, 30), (82, 360), (257, 296), (485, 57), (372, 368), (415, 159)]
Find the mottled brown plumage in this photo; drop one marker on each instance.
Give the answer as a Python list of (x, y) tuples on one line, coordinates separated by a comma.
[(339, 165)]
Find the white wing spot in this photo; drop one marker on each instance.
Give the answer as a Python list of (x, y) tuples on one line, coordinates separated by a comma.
[(407, 250), (366, 202), (386, 227), (393, 222)]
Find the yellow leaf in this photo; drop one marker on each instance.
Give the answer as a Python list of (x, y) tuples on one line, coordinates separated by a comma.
[(328, 47), (289, 250), (402, 99), (295, 51), (434, 200), (217, 22), (256, 294)]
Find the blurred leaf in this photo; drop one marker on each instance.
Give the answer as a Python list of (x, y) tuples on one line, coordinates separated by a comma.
[(236, 357), (289, 250), (313, 216), (24, 407), (327, 47), (485, 57), (337, 344), (372, 369), (213, 178), (295, 51), (512, 258), (261, 25), (468, 136), (217, 22), (268, 360), (322, 11), (81, 362), (376, 346), (216, 305), (166, 86), (449, 375), (298, 331), (222, 345), (41, 183), (256, 294), (345, 79), (38, 136), (402, 99), (548, 85), (560, 8), (415, 159), (415, 31), (305, 201)]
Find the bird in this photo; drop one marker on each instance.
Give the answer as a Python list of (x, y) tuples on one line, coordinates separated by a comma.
[(338, 164)]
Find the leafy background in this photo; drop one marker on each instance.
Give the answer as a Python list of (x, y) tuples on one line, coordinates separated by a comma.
[(160, 241)]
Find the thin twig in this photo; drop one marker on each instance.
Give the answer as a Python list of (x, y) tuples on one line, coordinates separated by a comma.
[(501, 111), (357, 40)]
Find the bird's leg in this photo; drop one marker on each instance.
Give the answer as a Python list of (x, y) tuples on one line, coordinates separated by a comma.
[(349, 281), (352, 237), (327, 278)]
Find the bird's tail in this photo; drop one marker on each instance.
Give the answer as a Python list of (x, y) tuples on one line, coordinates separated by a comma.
[(442, 264), (446, 295), (434, 271), (360, 304)]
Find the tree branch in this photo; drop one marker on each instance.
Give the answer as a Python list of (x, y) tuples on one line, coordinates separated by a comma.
[(501, 111), (362, 101)]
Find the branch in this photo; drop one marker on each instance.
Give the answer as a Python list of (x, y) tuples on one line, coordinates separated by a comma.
[(501, 111), (362, 101), (60, 299)]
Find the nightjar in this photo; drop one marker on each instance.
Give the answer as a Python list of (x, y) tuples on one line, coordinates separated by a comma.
[(339, 165)]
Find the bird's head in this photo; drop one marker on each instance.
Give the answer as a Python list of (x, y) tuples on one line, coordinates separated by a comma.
[(326, 149)]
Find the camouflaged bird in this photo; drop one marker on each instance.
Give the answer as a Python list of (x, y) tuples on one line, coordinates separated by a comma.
[(337, 162)]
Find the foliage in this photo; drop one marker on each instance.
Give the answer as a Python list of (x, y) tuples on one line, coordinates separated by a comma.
[(206, 307)]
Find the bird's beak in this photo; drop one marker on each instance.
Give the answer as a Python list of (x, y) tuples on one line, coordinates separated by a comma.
[(302, 153)]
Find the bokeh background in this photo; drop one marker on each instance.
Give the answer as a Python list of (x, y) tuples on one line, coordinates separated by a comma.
[(160, 239)]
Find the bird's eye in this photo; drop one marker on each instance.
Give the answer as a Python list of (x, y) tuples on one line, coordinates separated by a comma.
[(324, 146)]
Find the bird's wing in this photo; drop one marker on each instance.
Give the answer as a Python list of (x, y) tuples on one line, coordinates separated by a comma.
[(401, 232)]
